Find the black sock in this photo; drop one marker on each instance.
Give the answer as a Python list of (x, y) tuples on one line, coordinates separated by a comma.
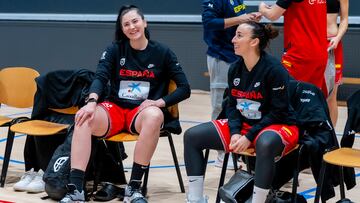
[(136, 175), (77, 178)]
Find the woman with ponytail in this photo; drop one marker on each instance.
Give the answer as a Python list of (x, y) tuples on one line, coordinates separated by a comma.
[(258, 111), (137, 72)]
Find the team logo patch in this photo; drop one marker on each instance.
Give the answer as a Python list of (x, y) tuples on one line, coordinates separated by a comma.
[(59, 162), (150, 66), (236, 81), (122, 61), (257, 84)]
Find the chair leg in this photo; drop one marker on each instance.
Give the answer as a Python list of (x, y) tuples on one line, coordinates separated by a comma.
[(176, 163), (320, 182), (296, 176), (247, 162), (222, 176), (8, 148), (207, 152), (342, 188), (235, 158)]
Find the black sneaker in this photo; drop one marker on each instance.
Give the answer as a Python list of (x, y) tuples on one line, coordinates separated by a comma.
[(133, 195), (73, 195)]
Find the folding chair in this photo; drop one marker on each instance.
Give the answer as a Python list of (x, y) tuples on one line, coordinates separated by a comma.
[(17, 89), (18, 85), (127, 137), (343, 156)]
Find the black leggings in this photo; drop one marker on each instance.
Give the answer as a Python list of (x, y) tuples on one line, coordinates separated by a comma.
[(205, 136)]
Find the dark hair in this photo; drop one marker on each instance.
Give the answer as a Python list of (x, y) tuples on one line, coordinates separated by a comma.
[(119, 34), (263, 32)]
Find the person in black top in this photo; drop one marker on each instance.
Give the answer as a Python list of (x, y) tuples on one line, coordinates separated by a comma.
[(258, 111), (138, 71)]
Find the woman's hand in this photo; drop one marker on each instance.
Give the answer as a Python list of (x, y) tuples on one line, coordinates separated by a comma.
[(334, 41), (256, 16), (87, 112), (158, 103), (239, 143)]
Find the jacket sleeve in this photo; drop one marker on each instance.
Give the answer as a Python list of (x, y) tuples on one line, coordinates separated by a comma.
[(212, 16), (277, 84), (234, 117), (104, 69), (176, 74)]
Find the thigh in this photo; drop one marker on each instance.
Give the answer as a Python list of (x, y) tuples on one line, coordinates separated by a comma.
[(288, 134), (223, 132), (339, 61), (113, 115), (203, 136)]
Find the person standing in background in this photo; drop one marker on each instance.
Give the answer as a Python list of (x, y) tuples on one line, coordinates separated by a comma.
[(220, 18), (335, 33), (305, 42)]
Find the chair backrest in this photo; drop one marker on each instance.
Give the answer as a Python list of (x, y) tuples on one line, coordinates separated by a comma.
[(17, 86), (174, 109)]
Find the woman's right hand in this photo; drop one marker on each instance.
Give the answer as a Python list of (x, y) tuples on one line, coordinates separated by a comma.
[(87, 112)]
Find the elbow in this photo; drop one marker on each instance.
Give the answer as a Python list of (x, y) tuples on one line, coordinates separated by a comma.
[(187, 91)]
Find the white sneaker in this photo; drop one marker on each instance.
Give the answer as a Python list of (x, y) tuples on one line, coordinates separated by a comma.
[(220, 159), (24, 180), (37, 184), (203, 200)]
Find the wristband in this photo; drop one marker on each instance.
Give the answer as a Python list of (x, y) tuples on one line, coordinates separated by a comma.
[(91, 100)]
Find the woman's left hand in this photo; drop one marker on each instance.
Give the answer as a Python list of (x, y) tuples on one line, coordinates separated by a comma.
[(158, 103), (334, 41), (240, 145)]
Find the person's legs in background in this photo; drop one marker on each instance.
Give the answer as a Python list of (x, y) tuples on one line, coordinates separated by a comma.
[(332, 99), (218, 71), (31, 181)]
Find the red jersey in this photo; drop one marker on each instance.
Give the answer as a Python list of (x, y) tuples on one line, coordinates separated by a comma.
[(304, 29)]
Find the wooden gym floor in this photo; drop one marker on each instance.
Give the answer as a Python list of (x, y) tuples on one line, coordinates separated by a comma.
[(163, 185)]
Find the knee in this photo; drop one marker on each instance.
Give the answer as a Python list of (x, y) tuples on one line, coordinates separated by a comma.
[(153, 116), (267, 143), (188, 136)]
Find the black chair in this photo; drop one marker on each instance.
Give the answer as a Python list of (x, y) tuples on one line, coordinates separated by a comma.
[(344, 156)]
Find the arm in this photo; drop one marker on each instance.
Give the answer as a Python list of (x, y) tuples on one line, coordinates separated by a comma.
[(102, 77), (273, 12), (344, 22), (176, 73), (104, 70), (229, 22), (212, 16)]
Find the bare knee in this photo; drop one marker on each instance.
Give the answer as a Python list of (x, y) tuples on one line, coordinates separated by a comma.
[(150, 118)]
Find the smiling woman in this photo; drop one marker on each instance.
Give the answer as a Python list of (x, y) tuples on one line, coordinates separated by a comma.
[(139, 71), (258, 114)]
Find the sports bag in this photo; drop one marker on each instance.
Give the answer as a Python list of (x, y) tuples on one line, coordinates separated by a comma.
[(56, 176)]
